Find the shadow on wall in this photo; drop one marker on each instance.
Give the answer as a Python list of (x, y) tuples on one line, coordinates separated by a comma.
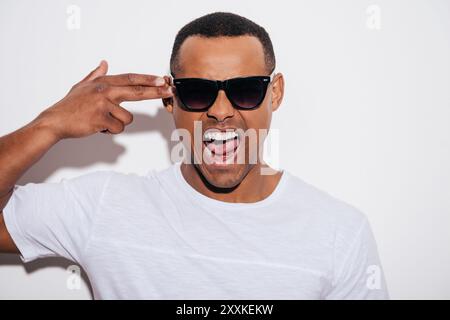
[(98, 148), (30, 267), (83, 152)]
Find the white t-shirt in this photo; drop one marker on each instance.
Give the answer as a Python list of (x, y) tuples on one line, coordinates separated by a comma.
[(155, 237)]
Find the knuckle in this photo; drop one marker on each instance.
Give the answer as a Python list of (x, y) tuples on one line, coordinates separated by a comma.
[(138, 90), (100, 87), (150, 79), (131, 77)]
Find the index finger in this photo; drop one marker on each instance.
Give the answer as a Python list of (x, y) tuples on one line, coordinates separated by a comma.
[(132, 79), (136, 93)]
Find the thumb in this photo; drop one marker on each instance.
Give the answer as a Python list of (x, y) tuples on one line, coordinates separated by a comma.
[(101, 70)]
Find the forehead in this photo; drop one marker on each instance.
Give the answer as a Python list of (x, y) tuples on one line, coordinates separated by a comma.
[(221, 58)]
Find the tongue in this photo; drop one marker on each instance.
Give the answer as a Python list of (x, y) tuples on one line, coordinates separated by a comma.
[(220, 148)]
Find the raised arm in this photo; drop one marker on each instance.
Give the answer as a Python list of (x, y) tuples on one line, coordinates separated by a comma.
[(91, 106)]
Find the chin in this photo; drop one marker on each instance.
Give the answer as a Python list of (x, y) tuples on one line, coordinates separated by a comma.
[(221, 176)]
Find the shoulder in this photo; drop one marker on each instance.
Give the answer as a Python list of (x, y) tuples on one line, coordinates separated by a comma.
[(334, 224), (321, 207), (130, 185), (124, 178), (96, 176)]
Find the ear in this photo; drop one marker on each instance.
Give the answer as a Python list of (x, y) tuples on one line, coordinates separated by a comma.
[(168, 102), (277, 87)]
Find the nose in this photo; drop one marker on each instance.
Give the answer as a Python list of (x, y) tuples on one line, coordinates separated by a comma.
[(222, 108)]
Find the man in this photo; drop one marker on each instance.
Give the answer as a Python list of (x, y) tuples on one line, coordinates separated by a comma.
[(220, 225)]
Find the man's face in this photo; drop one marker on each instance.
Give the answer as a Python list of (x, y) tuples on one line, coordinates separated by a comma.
[(224, 58)]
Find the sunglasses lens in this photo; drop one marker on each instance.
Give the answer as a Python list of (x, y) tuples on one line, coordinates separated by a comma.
[(247, 93), (196, 94)]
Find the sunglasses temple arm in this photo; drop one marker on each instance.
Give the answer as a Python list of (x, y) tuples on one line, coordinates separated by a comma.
[(272, 75)]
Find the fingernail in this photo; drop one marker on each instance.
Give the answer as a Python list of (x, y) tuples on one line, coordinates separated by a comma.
[(160, 81)]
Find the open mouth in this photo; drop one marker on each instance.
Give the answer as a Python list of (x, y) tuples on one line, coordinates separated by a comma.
[(221, 146)]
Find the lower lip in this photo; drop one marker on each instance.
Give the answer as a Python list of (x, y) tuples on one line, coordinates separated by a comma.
[(221, 157)]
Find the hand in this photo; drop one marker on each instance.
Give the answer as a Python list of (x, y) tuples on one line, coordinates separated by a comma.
[(93, 104)]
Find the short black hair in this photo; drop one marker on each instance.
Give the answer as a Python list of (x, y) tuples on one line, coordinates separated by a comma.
[(222, 24)]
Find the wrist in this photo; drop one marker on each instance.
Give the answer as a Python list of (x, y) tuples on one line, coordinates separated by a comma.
[(46, 125)]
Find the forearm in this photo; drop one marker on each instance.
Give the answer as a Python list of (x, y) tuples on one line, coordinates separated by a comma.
[(19, 150)]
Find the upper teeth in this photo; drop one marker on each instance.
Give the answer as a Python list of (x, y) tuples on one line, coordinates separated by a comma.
[(219, 135)]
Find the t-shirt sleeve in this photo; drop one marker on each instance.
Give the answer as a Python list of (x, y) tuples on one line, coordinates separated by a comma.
[(358, 273), (54, 219)]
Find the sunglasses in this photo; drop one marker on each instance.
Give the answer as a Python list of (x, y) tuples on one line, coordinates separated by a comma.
[(245, 93)]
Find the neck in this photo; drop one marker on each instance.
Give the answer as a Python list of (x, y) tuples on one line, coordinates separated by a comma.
[(253, 188)]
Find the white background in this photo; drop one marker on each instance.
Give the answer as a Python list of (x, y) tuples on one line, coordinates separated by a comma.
[(365, 115)]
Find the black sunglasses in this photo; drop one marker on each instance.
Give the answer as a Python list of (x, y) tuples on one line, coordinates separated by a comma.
[(198, 94)]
